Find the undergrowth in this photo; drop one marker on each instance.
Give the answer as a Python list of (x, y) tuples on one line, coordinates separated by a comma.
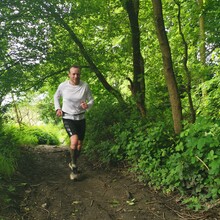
[(188, 164), (11, 141), (13, 137)]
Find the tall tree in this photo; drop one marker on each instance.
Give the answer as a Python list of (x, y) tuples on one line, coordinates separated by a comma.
[(168, 66), (185, 65), (138, 84)]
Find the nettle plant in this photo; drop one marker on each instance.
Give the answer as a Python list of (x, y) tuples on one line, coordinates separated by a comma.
[(189, 164), (196, 163)]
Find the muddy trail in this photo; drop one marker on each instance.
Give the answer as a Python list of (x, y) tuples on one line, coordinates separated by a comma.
[(44, 191)]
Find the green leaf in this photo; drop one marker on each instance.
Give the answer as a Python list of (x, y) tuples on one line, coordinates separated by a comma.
[(211, 155)]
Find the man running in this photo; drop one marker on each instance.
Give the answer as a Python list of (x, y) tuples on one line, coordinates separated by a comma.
[(77, 98)]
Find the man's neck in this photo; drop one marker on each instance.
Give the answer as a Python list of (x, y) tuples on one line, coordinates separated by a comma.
[(74, 83)]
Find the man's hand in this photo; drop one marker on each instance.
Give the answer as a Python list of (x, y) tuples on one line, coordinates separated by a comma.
[(59, 112), (84, 105)]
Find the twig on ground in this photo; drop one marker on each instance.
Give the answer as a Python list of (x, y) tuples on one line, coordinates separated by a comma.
[(36, 185), (184, 216), (48, 213), (91, 203), (164, 216), (152, 202), (156, 214)]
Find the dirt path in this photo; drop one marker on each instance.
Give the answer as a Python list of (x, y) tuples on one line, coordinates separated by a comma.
[(46, 192)]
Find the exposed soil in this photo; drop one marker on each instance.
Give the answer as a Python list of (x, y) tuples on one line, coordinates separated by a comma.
[(44, 191)]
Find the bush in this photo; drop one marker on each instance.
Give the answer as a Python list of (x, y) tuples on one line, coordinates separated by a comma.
[(198, 157), (118, 134), (102, 123), (210, 105), (9, 151), (189, 163), (192, 166), (13, 137), (39, 136)]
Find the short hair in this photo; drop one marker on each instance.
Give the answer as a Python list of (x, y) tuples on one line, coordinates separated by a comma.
[(74, 66)]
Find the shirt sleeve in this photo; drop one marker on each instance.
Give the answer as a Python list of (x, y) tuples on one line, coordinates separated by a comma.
[(89, 97), (57, 96)]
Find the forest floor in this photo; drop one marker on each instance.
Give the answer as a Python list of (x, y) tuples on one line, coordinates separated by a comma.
[(42, 190)]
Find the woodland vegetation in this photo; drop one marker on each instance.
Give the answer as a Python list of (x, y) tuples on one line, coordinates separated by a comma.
[(153, 68)]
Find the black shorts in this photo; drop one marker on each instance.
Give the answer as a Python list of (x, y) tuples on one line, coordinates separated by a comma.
[(75, 127)]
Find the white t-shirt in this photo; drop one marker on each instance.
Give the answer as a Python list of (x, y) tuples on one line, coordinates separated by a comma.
[(72, 96)]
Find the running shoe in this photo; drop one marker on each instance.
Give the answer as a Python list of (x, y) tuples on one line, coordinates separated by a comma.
[(72, 165), (73, 176)]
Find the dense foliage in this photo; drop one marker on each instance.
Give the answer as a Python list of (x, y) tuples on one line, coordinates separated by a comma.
[(188, 164)]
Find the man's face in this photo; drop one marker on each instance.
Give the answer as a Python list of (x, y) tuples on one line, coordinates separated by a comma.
[(74, 75)]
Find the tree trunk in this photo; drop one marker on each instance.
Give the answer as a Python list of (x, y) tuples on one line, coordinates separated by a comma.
[(138, 84), (185, 66), (202, 33), (168, 66), (17, 113)]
